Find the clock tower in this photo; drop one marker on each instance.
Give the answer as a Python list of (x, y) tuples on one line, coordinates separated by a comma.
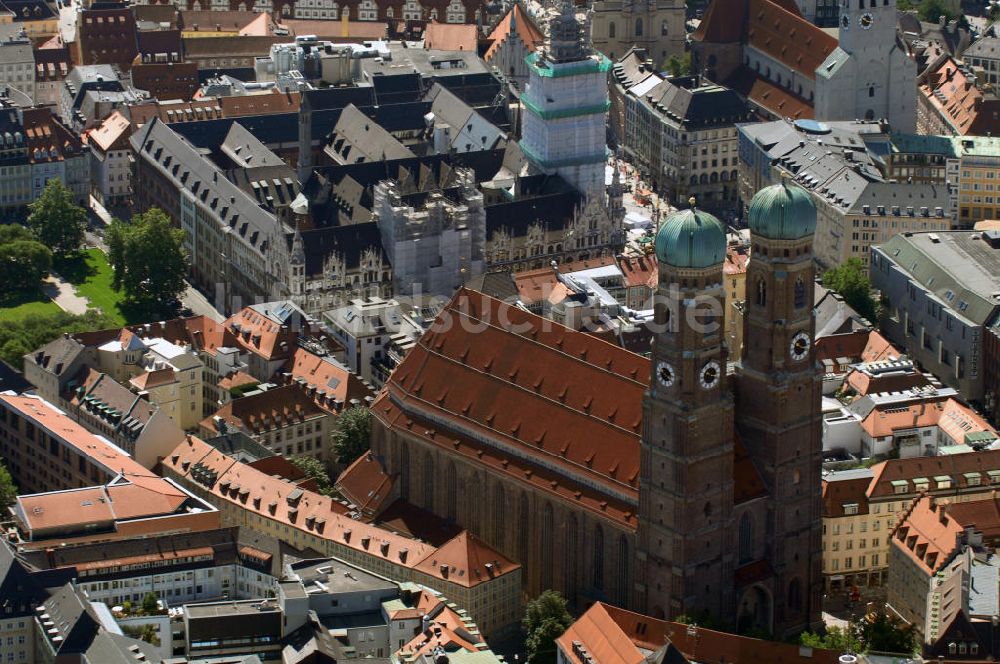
[(869, 75), (686, 472), (779, 388)]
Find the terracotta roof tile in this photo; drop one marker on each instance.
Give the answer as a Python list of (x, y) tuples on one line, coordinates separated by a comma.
[(783, 34), (611, 635), (450, 36), (274, 409), (777, 100), (531, 36), (331, 380), (954, 466), (281, 501), (366, 485)]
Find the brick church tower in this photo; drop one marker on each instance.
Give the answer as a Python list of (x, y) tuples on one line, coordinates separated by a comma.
[(706, 547), (686, 476), (778, 395)]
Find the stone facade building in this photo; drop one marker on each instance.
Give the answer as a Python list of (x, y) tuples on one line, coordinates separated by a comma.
[(655, 25), (665, 485)]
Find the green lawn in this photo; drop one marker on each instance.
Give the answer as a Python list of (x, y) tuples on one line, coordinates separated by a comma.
[(91, 274), (17, 308)]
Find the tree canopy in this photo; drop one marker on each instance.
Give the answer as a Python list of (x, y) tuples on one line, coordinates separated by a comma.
[(352, 433), (57, 221), (877, 631), (545, 620), (315, 469), (148, 257), (18, 338), (24, 261), (8, 491), (852, 282), (678, 66)]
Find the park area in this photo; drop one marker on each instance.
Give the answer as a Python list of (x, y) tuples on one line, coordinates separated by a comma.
[(86, 282)]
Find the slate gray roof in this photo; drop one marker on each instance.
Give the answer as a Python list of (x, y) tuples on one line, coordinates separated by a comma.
[(14, 52), (834, 316), (985, 47), (57, 356), (246, 150), (357, 138), (959, 267), (697, 106), (109, 648), (839, 167), (183, 163), (470, 130)]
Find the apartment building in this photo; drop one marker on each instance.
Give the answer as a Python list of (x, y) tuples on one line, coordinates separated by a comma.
[(463, 568), (44, 449), (939, 301), (857, 207), (862, 506)]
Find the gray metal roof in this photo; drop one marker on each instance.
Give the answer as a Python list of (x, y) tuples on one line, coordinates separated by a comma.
[(959, 267)]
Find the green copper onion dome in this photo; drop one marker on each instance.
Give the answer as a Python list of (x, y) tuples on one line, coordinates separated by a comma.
[(782, 212), (691, 239)]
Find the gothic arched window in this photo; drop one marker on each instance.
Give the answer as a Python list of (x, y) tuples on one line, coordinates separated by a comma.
[(498, 514), (871, 90), (570, 555), (746, 538), (664, 29), (795, 595), (611, 30), (598, 560), (547, 543), (428, 481), (623, 580), (761, 293), (638, 27), (451, 488), (800, 293), (524, 527)]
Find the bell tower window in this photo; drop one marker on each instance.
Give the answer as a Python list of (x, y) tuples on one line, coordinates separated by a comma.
[(761, 293), (800, 293)]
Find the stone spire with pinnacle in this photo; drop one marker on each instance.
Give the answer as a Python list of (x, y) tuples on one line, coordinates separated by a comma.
[(567, 41)]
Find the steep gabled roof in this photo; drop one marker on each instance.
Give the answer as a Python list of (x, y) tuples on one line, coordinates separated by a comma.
[(516, 21), (466, 561)]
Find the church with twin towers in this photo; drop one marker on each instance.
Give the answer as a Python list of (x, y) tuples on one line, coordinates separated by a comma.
[(683, 483)]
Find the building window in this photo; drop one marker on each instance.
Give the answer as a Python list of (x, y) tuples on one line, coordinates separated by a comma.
[(761, 293), (638, 27), (598, 558), (746, 538), (611, 30), (800, 293), (665, 29)]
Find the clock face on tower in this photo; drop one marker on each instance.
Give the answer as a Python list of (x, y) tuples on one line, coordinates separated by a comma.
[(799, 347), (710, 375), (866, 21), (665, 374)]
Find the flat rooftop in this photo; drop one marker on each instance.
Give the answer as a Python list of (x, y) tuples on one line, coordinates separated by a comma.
[(335, 576), (241, 608)]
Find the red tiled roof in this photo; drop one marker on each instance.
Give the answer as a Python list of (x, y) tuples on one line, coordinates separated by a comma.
[(954, 466), (563, 397), (768, 95), (278, 500), (955, 97), (612, 635), (928, 534), (524, 27), (276, 408), (112, 133), (366, 485), (784, 35), (450, 36), (335, 381), (840, 492), (639, 270)]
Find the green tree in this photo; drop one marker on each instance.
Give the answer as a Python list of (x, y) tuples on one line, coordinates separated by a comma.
[(57, 220), (315, 469), (14, 232), (852, 282), (352, 434), (881, 632), (150, 605), (678, 66), (148, 258), (932, 10), (545, 620), (8, 490), (23, 265), (20, 337), (836, 638)]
